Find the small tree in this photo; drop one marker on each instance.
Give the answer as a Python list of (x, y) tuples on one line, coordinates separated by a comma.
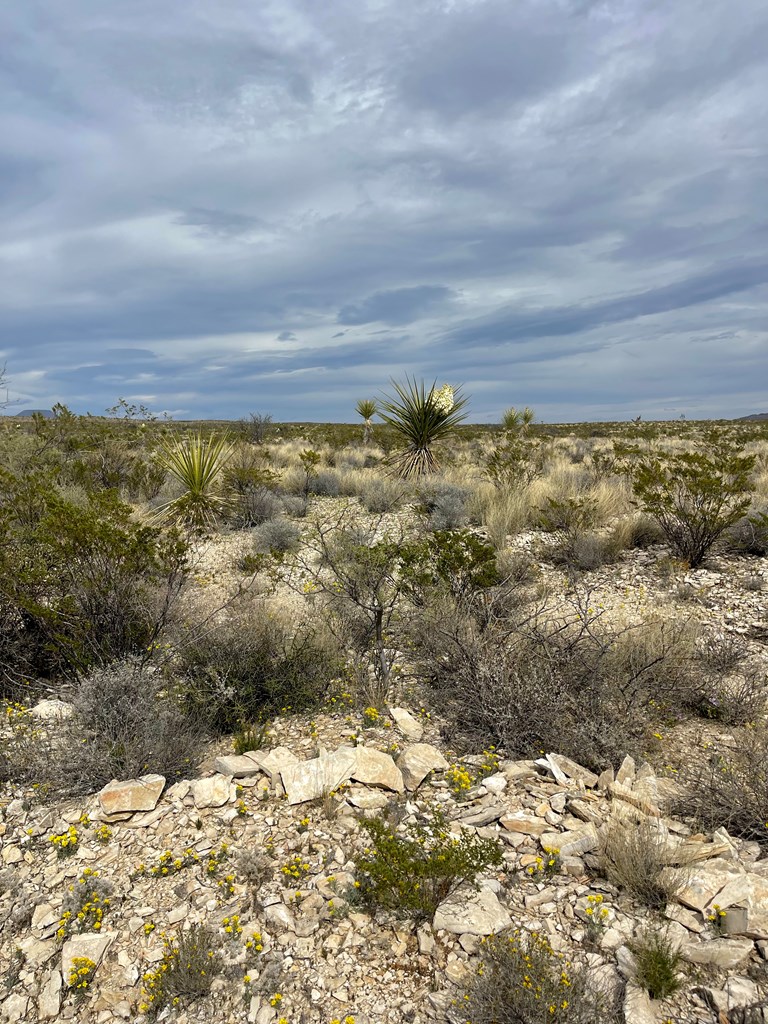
[(420, 419), (366, 408), (695, 496)]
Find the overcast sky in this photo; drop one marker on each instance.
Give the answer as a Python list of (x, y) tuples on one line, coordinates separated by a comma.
[(222, 206)]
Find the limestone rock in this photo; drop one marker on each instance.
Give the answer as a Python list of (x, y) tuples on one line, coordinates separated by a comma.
[(273, 761), (311, 780), (524, 824), (569, 843), (407, 724), (477, 913), (236, 765), (638, 1007), (375, 768), (718, 952), (211, 792), (52, 710), (49, 1000), (132, 795), (417, 761), (87, 944)]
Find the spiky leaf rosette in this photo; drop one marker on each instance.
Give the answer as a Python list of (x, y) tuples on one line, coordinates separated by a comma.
[(420, 418), (197, 463)]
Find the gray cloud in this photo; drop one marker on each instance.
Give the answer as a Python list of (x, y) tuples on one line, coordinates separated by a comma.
[(561, 203)]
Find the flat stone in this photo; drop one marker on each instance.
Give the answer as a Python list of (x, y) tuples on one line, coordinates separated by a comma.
[(368, 801), (407, 724), (571, 843), (638, 1007), (495, 784), (476, 912), (49, 1000), (718, 952), (311, 780), (88, 945), (131, 795), (279, 916), (524, 824), (480, 816), (418, 761), (375, 768), (706, 881), (573, 770), (273, 761), (214, 791), (238, 766)]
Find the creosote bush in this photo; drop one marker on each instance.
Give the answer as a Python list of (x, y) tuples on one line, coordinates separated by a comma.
[(522, 980), (695, 496), (411, 872)]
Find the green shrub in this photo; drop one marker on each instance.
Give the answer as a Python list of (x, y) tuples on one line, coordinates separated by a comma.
[(280, 535), (695, 496), (658, 963), (80, 586), (456, 560), (412, 872), (445, 505), (254, 665), (522, 980)]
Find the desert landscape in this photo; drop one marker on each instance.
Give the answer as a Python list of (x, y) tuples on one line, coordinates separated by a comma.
[(399, 720)]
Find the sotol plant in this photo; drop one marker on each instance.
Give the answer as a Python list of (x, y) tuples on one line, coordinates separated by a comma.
[(420, 418)]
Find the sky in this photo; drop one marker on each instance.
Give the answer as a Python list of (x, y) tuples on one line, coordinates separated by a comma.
[(218, 207)]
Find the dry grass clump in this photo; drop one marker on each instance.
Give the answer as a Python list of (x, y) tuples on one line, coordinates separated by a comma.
[(729, 788), (502, 512), (635, 855)]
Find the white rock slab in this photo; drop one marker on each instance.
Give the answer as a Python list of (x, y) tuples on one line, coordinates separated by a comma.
[(311, 780), (474, 912), (131, 795)]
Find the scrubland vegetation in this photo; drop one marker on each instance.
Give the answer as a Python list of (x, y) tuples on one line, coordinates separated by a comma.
[(179, 583)]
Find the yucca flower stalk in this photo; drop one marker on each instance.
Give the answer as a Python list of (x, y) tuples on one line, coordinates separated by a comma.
[(366, 408), (197, 463), (420, 418)]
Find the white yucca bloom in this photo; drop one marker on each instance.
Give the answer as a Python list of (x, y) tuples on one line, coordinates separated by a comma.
[(443, 398)]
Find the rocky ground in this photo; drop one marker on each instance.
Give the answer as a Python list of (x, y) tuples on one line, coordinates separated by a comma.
[(173, 857), (261, 848)]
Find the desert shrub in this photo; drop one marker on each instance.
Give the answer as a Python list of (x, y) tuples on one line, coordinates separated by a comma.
[(255, 664), (528, 678), (516, 462), (325, 484), (186, 972), (80, 586), (584, 552), (729, 788), (503, 513), (722, 652), (276, 535), (456, 560), (412, 872), (695, 496), (198, 464), (634, 857), (295, 505), (741, 700), (123, 725), (522, 980), (383, 494), (657, 964), (254, 505), (445, 505), (748, 535)]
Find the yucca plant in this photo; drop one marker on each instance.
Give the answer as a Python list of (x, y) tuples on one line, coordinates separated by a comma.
[(366, 408), (518, 421), (420, 418), (197, 463)]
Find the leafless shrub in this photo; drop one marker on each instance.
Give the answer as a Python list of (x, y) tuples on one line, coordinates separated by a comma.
[(730, 787)]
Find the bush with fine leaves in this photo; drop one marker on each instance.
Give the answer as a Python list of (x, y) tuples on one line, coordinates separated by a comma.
[(412, 872)]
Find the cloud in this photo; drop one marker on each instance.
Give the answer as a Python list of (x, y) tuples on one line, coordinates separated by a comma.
[(560, 203)]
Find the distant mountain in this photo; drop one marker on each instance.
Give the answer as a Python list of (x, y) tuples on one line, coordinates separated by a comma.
[(753, 418), (45, 413)]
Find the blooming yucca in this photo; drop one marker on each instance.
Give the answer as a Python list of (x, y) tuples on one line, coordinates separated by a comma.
[(420, 418)]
